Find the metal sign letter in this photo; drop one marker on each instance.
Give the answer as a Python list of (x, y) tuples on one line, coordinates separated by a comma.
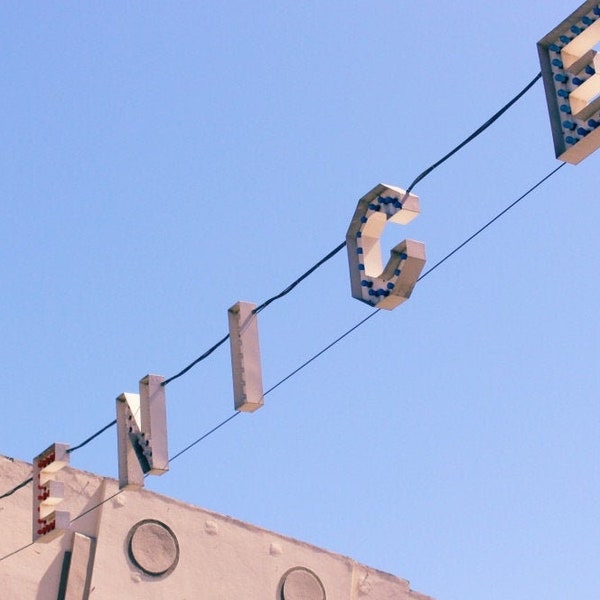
[(245, 357), (47, 492), (142, 433), (370, 282), (571, 72)]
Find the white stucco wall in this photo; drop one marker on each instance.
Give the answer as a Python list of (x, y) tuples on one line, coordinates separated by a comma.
[(218, 558)]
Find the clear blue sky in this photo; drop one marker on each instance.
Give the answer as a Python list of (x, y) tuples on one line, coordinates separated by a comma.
[(161, 161)]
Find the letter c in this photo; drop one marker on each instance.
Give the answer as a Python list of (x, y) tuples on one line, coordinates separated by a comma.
[(370, 282)]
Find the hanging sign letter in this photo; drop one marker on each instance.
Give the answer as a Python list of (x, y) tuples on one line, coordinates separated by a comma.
[(142, 433), (370, 281), (571, 72), (47, 492), (245, 357)]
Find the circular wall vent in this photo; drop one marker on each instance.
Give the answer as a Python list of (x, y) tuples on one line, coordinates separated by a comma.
[(153, 547), (301, 584)]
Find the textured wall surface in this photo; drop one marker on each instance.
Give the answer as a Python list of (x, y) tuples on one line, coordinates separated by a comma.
[(139, 545)]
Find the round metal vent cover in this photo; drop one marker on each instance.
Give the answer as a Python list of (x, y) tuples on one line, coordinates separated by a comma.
[(301, 584), (153, 547)]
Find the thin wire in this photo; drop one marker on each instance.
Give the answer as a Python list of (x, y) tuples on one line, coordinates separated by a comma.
[(89, 510), (194, 363), (500, 214), (16, 551), (477, 132), (174, 457), (16, 488), (292, 285), (92, 508), (92, 437), (303, 365), (258, 309), (87, 441), (204, 436), (450, 254), (338, 248), (327, 257), (339, 339), (372, 314)]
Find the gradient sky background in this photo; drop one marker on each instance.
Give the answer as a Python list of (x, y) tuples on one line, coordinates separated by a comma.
[(163, 160)]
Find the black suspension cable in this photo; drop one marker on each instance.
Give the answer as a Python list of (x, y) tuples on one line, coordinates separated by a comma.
[(302, 277), (16, 488), (92, 437), (338, 248), (327, 257), (199, 359), (476, 133), (303, 365), (372, 314)]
